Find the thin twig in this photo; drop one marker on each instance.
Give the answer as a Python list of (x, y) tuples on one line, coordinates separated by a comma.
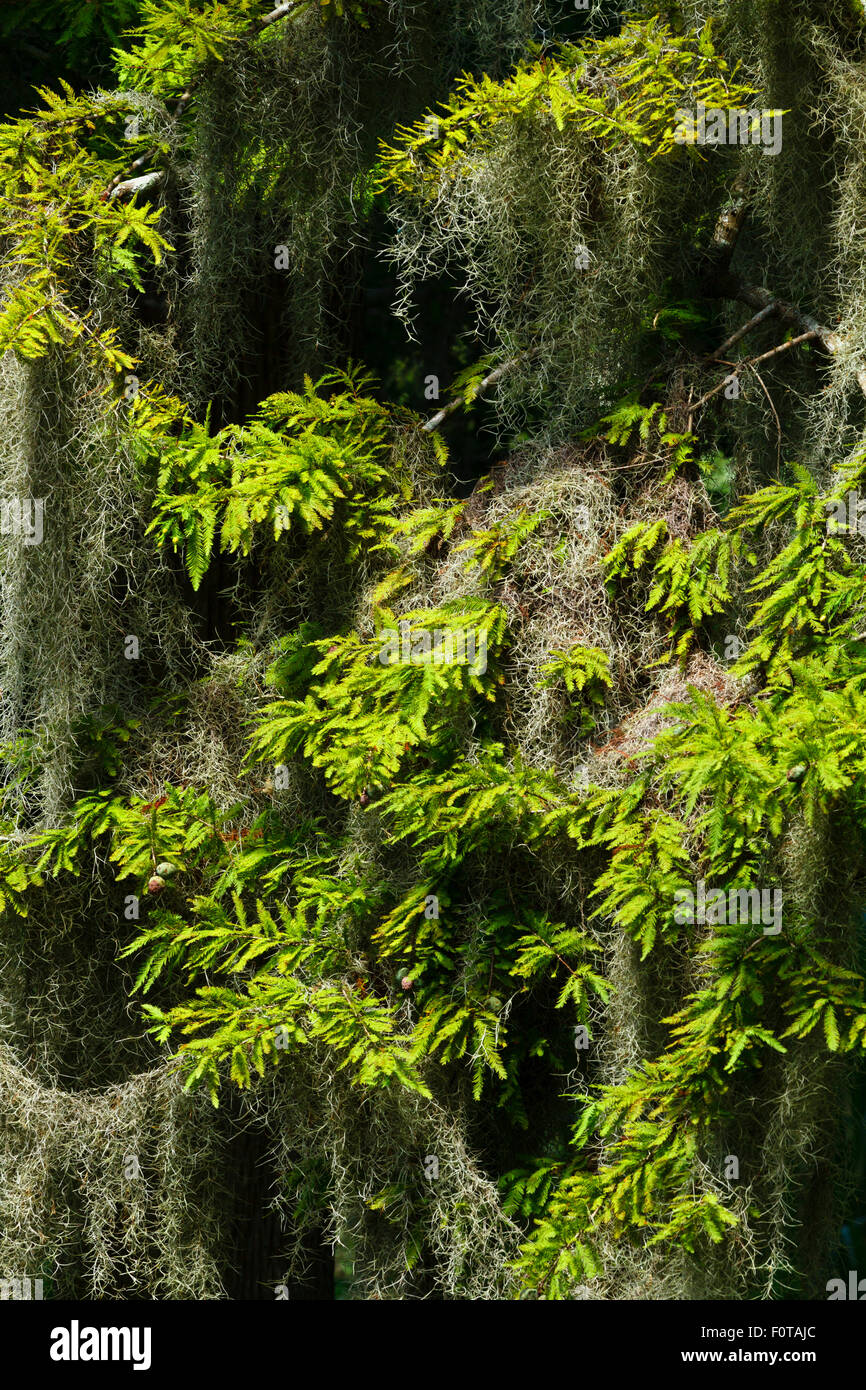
[(741, 332), (783, 347), (778, 421), (490, 380), (751, 362)]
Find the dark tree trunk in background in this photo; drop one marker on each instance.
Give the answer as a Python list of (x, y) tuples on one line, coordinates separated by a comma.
[(257, 1241)]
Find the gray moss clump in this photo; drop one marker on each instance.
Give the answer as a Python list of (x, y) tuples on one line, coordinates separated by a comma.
[(112, 1193)]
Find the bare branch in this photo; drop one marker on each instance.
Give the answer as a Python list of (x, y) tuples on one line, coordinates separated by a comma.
[(490, 380), (761, 315), (727, 229), (752, 362), (139, 185), (720, 282), (756, 297), (279, 13), (783, 347)]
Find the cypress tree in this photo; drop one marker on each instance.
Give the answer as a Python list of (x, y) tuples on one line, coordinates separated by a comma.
[(432, 650)]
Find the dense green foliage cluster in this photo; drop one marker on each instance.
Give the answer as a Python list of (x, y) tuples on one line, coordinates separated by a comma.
[(371, 881)]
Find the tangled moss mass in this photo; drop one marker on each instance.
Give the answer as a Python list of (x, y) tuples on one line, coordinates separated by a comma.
[(395, 770)]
